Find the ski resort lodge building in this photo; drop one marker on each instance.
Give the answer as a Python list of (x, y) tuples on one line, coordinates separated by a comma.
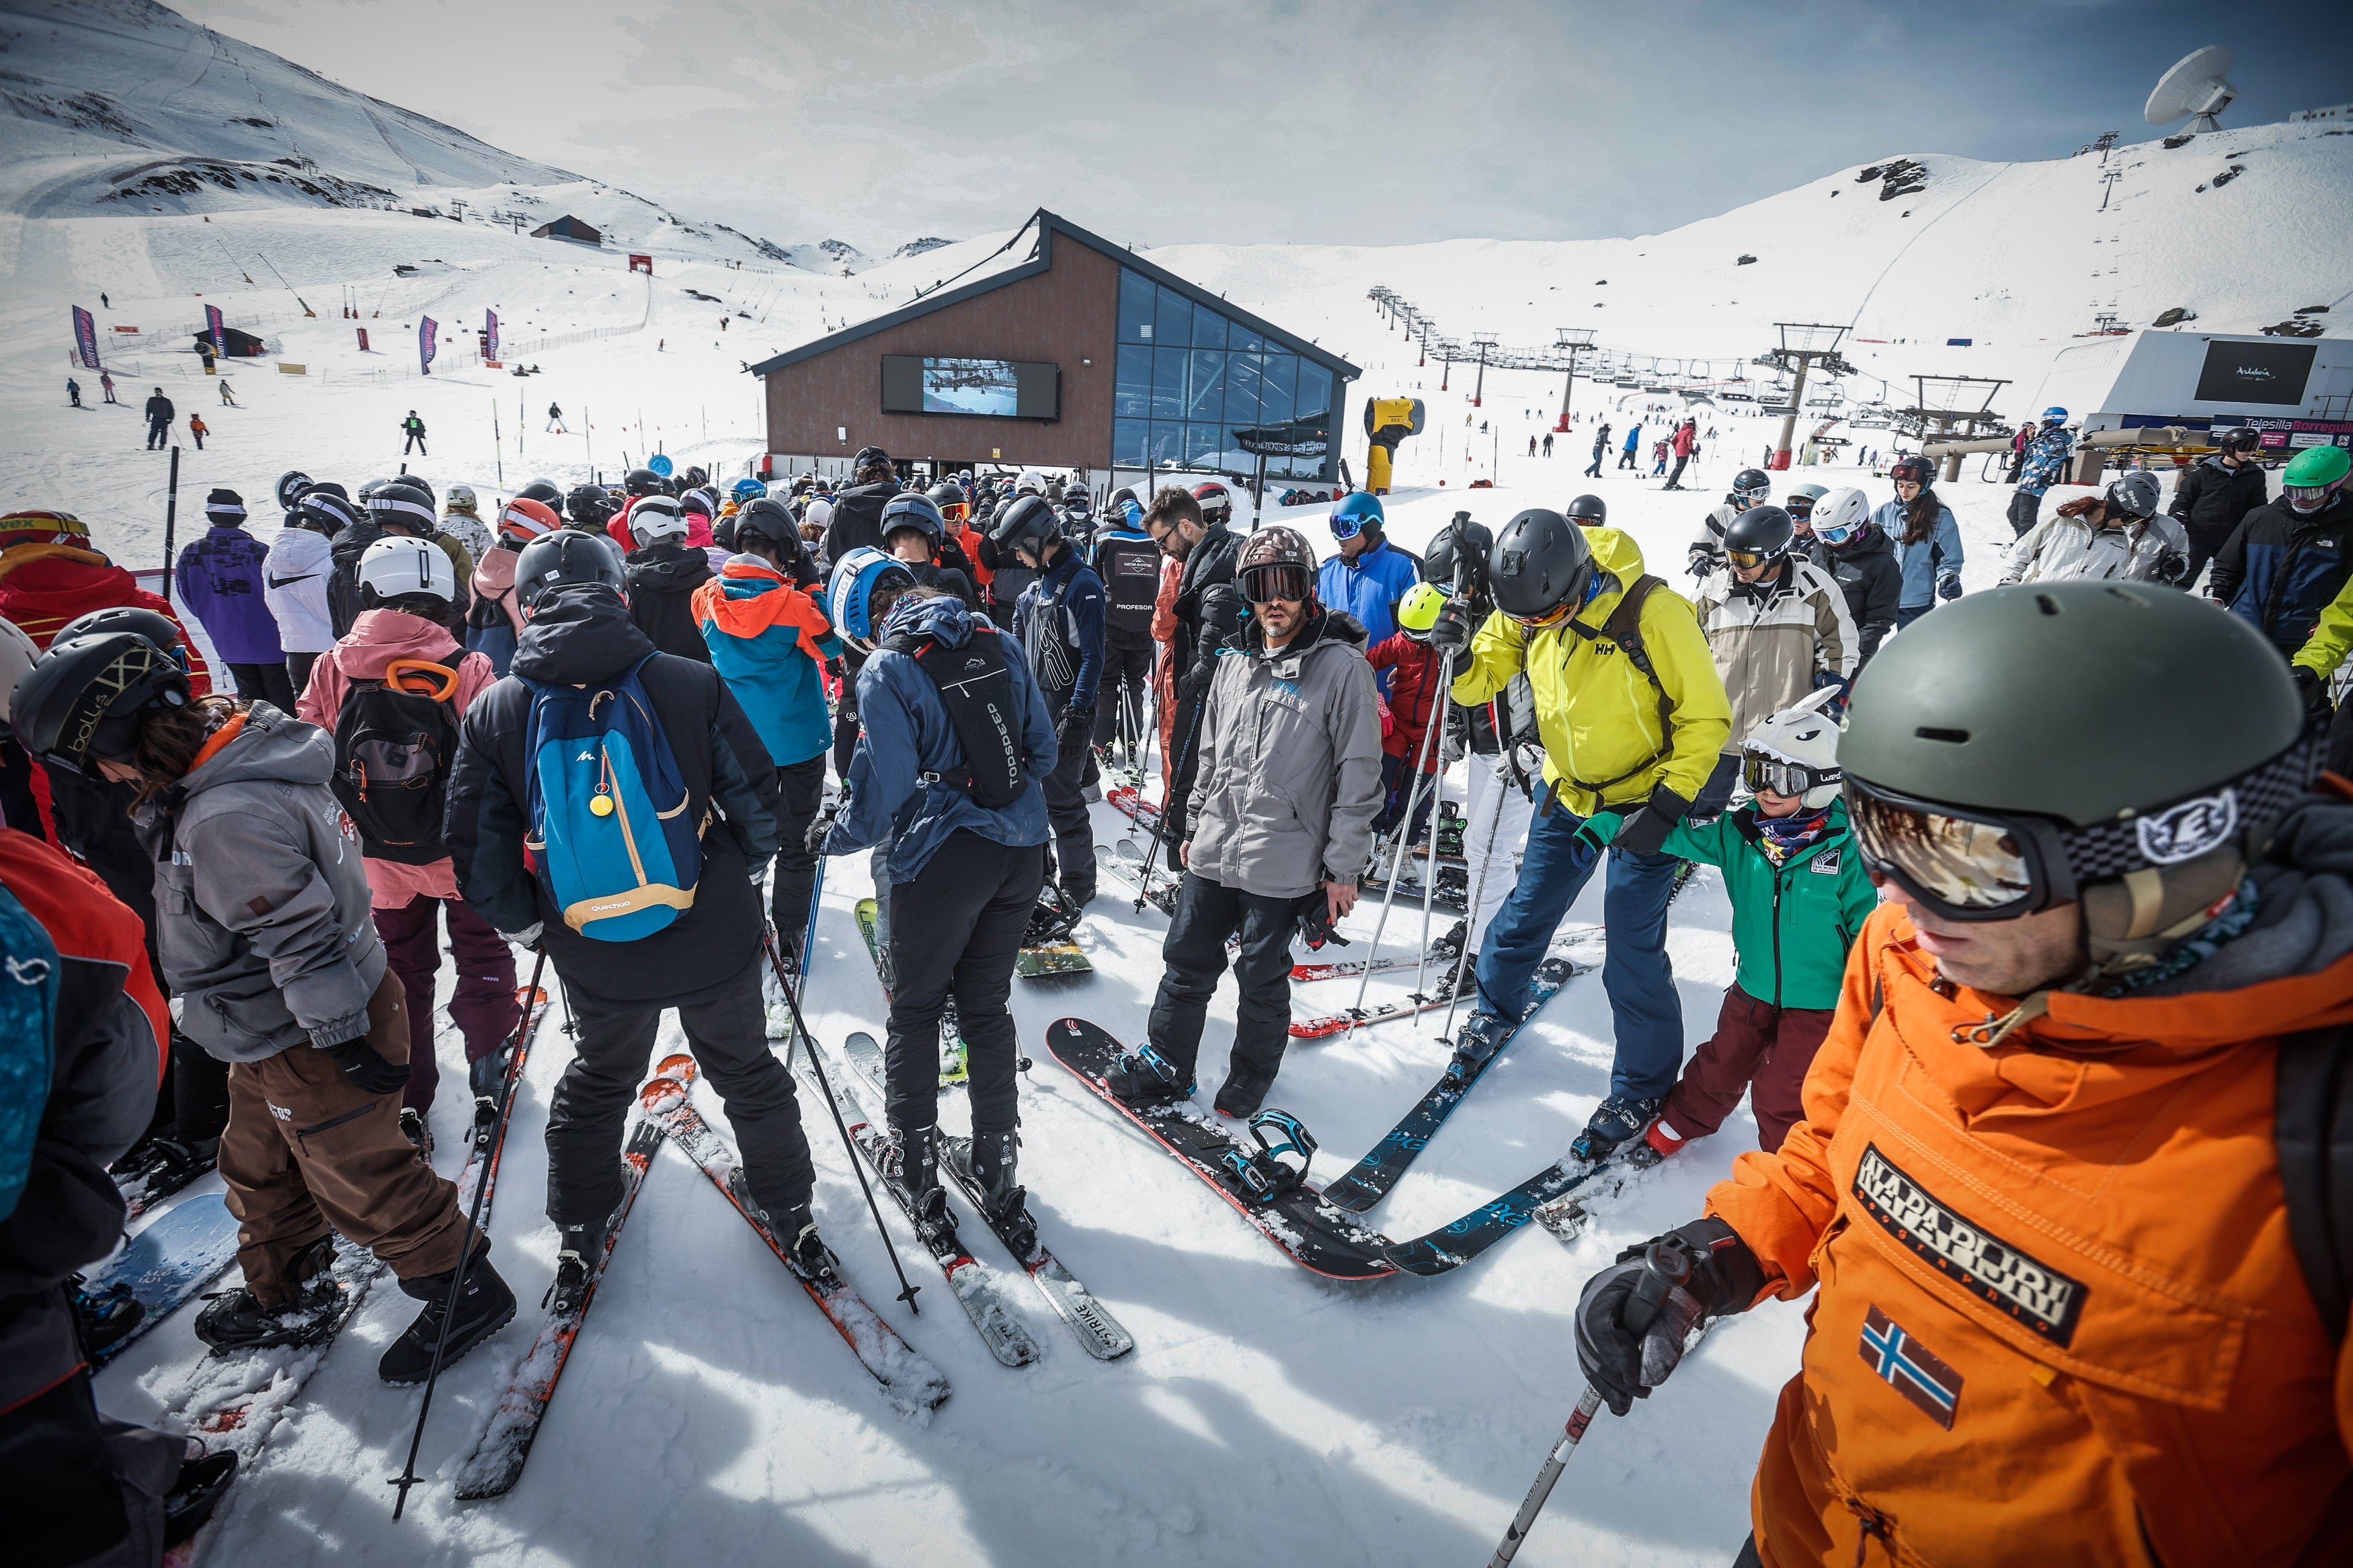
[(1076, 353)]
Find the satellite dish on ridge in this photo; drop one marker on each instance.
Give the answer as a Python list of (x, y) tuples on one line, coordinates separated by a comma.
[(2194, 86)]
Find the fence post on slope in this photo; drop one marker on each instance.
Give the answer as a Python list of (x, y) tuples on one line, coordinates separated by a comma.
[(171, 518)]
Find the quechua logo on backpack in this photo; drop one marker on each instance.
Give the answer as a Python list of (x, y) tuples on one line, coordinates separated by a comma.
[(609, 838)]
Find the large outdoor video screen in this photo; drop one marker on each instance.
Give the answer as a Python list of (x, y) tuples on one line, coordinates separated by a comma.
[(988, 388), (2272, 374)]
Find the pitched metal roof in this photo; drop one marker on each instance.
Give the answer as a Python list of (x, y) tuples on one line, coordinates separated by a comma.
[(1041, 257)]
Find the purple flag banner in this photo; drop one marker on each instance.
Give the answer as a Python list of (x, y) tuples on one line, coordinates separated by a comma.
[(425, 329), (213, 324), (489, 334), (86, 337)]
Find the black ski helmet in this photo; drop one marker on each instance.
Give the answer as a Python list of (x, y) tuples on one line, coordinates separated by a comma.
[(1028, 523), (2134, 495), (545, 492), (1541, 562), (80, 702), (590, 506), (1751, 486), (2244, 439), (1587, 511), (948, 493), (2007, 701), (323, 512), (290, 485), (768, 519), (643, 482), (1459, 555), (1912, 466), (562, 560), (139, 621), (1764, 531), (405, 506)]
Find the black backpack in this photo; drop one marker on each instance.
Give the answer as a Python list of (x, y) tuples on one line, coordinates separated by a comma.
[(1130, 570), (393, 752), (976, 691)]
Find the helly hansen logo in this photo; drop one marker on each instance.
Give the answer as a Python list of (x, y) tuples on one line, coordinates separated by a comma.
[(2032, 1293), (1910, 1369)]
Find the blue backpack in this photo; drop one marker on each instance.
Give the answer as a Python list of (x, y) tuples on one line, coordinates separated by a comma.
[(608, 835)]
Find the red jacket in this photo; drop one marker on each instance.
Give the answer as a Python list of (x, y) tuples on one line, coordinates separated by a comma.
[(44, 586), (1413, 689), (1685, 439)]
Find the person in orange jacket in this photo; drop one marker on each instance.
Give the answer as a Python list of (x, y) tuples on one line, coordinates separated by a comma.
[(2060, 1192)]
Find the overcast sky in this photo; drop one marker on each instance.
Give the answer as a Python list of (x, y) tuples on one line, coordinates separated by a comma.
[(880, 120)]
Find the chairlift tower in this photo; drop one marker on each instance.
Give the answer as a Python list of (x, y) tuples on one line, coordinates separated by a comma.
[(1483, 343), (1945, 402), (1802, 343), (1572, 342)]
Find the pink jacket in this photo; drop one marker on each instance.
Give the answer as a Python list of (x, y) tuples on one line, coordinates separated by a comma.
[(376, 638), (494, 580)]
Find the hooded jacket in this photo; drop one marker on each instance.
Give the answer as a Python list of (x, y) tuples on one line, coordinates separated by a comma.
[(46, 588), (1867, 572), (377, 638), (2213, 498), (1289, 774), (261, 898), (906, 735), (294, 586), (1596, 713), (1367, 589), (1929, 564), (770, 639), (856, 519), (2061, 548), (662, 579), (575, 636), (2060, 1318), (462, 524), (2044, 459), (222, 578), (1412, 668), (1770, 640), (2281, 568)]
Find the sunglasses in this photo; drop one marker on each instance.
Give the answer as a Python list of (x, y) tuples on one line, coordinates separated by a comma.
[(1287, 582), (1765, 775)]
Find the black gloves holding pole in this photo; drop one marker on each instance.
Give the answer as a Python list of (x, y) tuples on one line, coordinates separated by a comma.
[(1625, 1365)]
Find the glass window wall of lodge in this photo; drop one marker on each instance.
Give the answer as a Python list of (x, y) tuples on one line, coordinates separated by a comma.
[(1191, 382)]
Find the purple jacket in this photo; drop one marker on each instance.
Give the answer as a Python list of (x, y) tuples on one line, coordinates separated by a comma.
[(220, 579)]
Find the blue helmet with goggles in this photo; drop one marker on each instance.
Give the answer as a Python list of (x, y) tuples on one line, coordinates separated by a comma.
[(1356, 513), (850, 596)]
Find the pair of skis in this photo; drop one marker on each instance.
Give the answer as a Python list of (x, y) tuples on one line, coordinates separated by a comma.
[(665, 1113)]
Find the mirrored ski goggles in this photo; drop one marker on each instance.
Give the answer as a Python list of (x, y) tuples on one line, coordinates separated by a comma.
[(1750, 560), (1837, 532), (1346, 527), (1551, 617), (2306, 495), (1765, 775), (1969, 865), (955, 510), (1282, 579)]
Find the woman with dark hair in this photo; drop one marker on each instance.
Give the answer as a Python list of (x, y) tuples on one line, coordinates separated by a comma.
[(1927, 541)]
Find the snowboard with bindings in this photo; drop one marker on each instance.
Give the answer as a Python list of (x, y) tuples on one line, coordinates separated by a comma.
[(1369, 1181), (909, 1380), (1098, 1333), (954, 1073), (181, 1252), (974, 1291), (1316, 1235), (496, 1463)]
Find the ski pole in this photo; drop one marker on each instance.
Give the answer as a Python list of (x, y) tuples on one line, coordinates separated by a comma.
[(1663, 1268), (817, 1065), (1168, 793), (809, 941), (1397, 858), (1430, 871), (1471, 915), (408, 1476)]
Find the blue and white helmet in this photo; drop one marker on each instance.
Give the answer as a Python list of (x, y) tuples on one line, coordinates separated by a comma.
[(2055, 414), (749, 489), (851, 591)]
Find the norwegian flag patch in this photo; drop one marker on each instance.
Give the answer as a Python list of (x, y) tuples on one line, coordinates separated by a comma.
[(1910, 1368)]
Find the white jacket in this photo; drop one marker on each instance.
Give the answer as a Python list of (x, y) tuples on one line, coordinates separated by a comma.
[(2062, 549), (294, 586), (1769, 649)]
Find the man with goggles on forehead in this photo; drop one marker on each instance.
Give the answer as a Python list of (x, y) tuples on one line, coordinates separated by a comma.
[(1275, 829), (1632, 714), (2061, 1179)]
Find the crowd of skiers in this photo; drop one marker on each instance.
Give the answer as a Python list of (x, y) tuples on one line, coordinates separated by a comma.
[(596, 728)]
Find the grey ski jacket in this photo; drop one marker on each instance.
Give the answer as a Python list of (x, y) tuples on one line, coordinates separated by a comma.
[(261, 902)]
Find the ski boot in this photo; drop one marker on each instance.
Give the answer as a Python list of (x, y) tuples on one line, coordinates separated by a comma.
[(989, 1162), (1143, 1077), (911, 1163), (107, 1317), (1450, 823), (806, 1254), (162, 1166), (486, 1307), (238, 1321), (488, 1079), (1483, 1035), (203, 1482), (1448, 949), (1054, 919), (1614, 1122), (413, 1128), (575, 1266)]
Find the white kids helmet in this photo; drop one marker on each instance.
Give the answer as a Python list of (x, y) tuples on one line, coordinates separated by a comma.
[(656, 518), (1795, 751), (1840, 516), (395, 565), (459, 499)]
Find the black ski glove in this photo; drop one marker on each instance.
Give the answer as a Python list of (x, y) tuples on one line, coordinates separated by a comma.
[(2311, 687), (369, 1073), (1077, 729), (1452, 631), (1725, 1278), (820, 827), (1702, 564), (1647, 826)]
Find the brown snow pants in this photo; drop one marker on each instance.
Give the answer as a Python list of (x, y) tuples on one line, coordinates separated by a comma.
[(1758, 1047), (305, 1151)]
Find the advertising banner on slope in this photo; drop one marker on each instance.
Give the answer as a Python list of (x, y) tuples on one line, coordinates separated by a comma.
[(489, 334), (425, 330), (216, 329), (86, 337)]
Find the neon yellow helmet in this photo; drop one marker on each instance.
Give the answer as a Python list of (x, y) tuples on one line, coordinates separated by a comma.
[(1417, 611)]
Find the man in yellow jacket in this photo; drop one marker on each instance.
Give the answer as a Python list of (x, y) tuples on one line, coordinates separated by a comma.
[(1632, 714)]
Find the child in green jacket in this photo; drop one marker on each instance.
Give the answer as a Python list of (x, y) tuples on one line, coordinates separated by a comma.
[(1799, 896)]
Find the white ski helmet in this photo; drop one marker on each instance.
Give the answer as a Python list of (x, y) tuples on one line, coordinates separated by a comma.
[(1030, 480), (1803, 734), (395, 565), (1841, 515), (654, 519), (459, 499)]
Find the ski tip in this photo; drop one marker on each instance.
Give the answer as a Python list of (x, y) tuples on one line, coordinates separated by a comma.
[(532, 996), (679, 1066), (669, 1085)]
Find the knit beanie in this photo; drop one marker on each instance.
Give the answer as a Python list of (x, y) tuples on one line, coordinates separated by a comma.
[(224, 508)]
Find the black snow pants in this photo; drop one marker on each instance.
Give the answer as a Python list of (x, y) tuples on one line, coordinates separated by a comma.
[(800, 790), (1208, 912), (954, 930)]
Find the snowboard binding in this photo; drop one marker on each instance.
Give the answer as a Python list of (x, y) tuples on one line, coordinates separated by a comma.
[(1279, 1165)]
